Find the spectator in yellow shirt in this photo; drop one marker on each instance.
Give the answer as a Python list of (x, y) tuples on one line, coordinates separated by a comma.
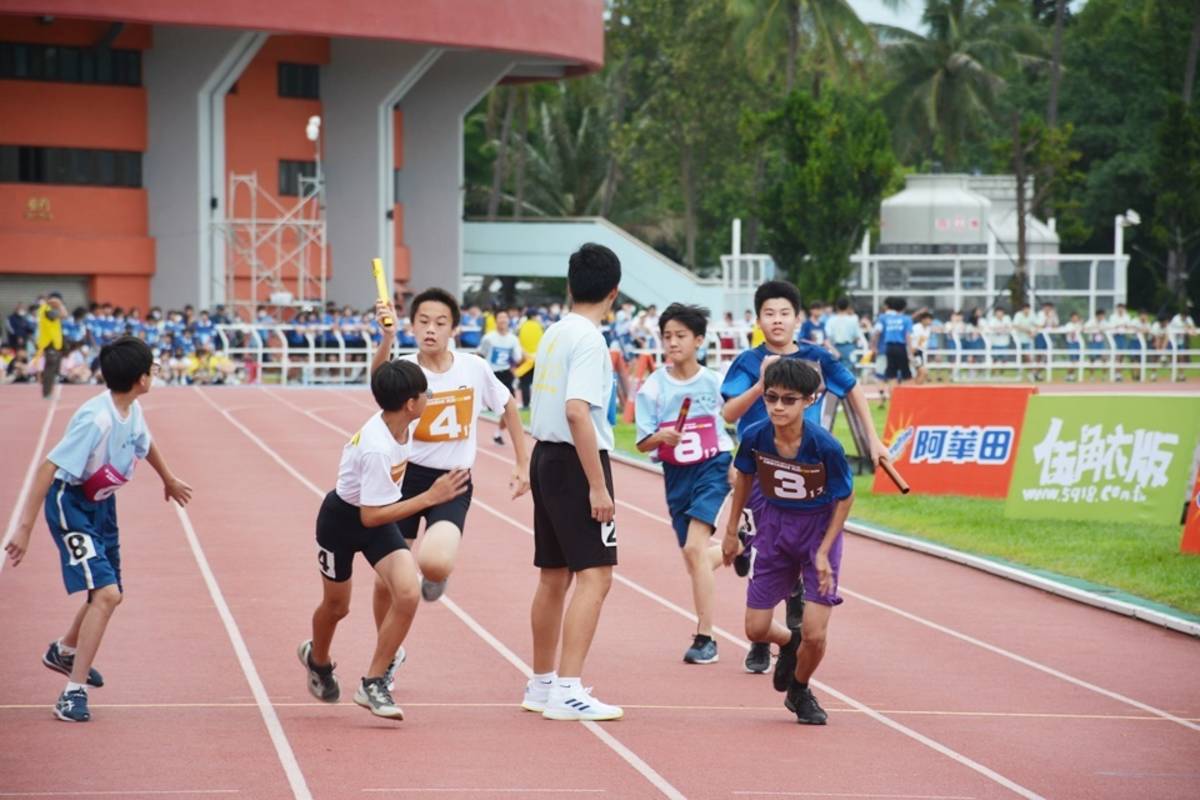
[(530, 336), (50, 339)]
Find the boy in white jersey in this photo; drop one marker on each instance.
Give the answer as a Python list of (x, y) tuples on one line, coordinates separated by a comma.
[(360, 515), (695, 456), (502, 350), (76, 485), (462, 384)]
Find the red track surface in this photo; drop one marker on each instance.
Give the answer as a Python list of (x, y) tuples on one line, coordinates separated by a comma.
[(941, 682)]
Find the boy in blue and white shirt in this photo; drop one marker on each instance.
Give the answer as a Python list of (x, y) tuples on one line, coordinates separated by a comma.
[(501, 349), (76, 486), (695, 455)]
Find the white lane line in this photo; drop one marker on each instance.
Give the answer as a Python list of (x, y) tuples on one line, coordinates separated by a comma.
[(954, 755), (283, 749), (857, 794), (462, 790), (124, 793), (22, 496), (657, 780), (1000, 651)]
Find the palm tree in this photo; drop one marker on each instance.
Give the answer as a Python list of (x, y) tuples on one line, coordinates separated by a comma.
[(947, 80)]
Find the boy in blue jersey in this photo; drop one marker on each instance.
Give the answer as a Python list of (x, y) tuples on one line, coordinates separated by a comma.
[(802, 473), (893, 335), (778, 305), (695, 458), (76, 486)]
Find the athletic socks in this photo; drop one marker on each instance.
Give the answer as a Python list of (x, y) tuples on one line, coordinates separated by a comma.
[(75, 687), (569, 684), (545, 678), (66, 651)]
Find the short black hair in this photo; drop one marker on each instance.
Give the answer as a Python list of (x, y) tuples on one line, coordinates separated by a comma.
[(124, 361), (895, 303), (592, 272), (694, 318), (794, 374), (772, 290), (436, 295), (843, 303), (397, 382)]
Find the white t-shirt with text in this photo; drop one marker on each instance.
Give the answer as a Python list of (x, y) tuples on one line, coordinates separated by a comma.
[(445, 436), (372, 466)]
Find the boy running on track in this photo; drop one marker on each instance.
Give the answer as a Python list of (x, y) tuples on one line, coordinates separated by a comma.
[(575, 536), (777, 304), (695, 457), (360, 515), (804, 478), (502, 350), (76, 485), (462, 384)]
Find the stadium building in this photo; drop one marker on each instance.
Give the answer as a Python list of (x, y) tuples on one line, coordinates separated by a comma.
[(227, 152)]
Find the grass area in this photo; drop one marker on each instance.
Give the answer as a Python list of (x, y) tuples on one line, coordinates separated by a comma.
[(1141, 560)]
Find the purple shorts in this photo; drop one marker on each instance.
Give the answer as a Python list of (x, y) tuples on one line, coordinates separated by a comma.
[(783, 549)]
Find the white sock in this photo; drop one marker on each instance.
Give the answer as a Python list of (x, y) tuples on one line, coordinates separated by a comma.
[(66, 651), (71, 687), (569, 684), (545, 678)]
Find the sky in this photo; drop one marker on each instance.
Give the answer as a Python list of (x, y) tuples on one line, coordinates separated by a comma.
[(909, 15)]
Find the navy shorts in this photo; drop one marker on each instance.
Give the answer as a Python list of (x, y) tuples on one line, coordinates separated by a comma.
[(417, 480), (696, 492), (85, 533), (341, 534)]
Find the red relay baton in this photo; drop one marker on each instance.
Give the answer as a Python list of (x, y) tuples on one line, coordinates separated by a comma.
[(683, 412)]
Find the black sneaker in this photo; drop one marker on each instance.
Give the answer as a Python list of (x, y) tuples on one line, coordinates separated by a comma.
[(59, 661), (322, 682), (741, 562), (702, 651), (498, 439), (795, 607), (801, 702), (72, 706), (758, 660), (373, 694), (785, 665)]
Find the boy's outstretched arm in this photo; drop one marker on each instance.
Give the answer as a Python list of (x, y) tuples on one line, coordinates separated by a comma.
[(42, 479), (741, 490), (520, 476), (173, 488), (383, 352)]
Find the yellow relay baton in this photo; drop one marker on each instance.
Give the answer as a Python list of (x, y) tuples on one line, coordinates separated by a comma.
[(381, 287)]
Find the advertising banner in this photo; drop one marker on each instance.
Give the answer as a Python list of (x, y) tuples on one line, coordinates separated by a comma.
[(1191, 526), (1105, 457), (954, 439)]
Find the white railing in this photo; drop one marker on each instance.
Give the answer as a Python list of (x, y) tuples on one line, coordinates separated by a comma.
[(264, 355)]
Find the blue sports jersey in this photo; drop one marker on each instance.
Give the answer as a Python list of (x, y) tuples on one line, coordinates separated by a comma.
[(97, 437), (894, 327), (745, 369), (659, 402), (470, 331), (812, 332), (818, 476)]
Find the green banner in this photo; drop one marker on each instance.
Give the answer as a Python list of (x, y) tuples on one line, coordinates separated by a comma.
[(1105, 457)]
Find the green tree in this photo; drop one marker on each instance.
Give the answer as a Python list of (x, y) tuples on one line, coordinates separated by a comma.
[(1176, 225), (836, 161)]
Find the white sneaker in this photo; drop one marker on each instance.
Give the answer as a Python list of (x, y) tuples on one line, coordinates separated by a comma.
[(374, 696), (537, 694), (578, 704), (389, 675)]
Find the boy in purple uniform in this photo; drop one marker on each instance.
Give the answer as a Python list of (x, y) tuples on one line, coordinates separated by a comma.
[(804, 478)]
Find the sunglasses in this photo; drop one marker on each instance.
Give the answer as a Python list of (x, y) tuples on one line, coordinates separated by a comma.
[(788, 400)]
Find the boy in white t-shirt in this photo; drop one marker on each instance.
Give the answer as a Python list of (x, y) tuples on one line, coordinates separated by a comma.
[(501, 349), (360, 516), (462, 384)]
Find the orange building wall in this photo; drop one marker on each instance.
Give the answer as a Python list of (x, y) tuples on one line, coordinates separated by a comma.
[(260, 129), (403, 273), (99, 232)]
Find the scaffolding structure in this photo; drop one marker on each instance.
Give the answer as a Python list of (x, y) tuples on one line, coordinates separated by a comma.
[(282, 251)]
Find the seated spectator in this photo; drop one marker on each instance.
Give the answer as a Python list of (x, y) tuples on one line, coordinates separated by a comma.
[(17, 368), (76, 365)]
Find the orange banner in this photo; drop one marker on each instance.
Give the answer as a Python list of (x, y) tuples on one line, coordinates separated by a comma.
[(1191, 526), (954, 439)]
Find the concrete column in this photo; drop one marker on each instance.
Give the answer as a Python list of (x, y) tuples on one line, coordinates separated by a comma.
[(187, 74), (432, 182), (363, 82)]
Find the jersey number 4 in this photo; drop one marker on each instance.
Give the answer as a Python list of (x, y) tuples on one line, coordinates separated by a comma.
[(447, 417)]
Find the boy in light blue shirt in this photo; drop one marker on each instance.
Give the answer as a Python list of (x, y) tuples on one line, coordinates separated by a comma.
[(76, 486), (679, 423)]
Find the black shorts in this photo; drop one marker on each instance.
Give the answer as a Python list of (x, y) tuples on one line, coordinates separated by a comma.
[(418, 479), (564, 533), (897, 362), (506, 377), (341, 534)]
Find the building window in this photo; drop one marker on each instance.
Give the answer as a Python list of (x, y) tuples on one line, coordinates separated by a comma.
[(71, 166), (290, 173), (299, 80), (52, 62)]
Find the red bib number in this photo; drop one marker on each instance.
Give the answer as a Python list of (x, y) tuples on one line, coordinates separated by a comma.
[(103, 483), (788, 481), (698, 442)]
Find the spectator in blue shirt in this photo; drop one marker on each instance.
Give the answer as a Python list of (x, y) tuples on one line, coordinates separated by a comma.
[(893, 335), (470, 330)]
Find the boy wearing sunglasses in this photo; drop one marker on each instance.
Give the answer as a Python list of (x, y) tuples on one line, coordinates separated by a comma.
[(803, 477)]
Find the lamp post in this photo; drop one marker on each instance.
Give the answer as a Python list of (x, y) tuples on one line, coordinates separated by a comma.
[(1120, 260)]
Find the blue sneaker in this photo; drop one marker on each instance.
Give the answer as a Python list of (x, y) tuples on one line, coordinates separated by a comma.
[(702, 651), (59, 661), (72, 706)]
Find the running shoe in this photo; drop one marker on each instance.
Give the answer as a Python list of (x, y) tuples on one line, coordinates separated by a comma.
[(322, 682), (578, 704), (785, 665), (537, 694), (389, 674), (432, 590), (373, 694), (801, 702), (59, 661), (73, 706), (795, 607), (741, 562), (758, 660), (498, 439), (702, 651)]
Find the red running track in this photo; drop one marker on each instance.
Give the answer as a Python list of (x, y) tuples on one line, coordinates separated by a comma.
[(941, 682)]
